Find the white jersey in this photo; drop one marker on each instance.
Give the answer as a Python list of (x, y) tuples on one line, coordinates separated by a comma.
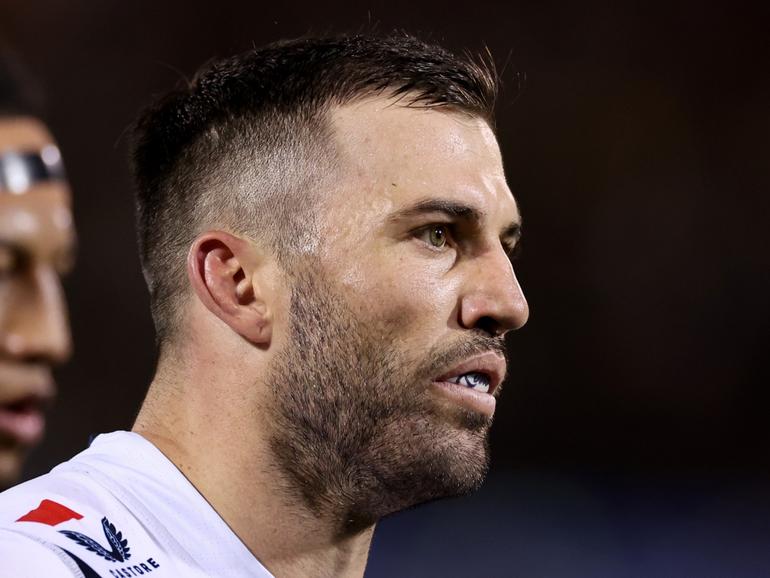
[(119, 509)]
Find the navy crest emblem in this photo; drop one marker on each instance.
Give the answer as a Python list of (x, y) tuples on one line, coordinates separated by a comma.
[(119, 550)]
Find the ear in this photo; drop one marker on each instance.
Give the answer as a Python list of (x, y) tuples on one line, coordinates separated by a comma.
[(223, 272)]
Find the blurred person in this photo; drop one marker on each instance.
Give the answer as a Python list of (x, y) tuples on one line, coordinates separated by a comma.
[(36, 247), (325, 229)]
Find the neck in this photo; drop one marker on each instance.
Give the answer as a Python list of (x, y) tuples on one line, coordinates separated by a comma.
[(212, 435)]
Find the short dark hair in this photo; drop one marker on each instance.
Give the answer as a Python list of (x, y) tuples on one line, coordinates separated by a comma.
[(20, 94), (245, 141)]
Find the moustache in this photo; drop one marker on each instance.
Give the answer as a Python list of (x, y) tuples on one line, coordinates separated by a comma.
[(443, 357)]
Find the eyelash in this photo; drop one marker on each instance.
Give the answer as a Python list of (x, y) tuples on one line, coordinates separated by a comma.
[(514, 252), (422, 233)]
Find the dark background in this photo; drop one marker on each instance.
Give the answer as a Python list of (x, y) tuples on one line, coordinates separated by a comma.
[(632, 438)]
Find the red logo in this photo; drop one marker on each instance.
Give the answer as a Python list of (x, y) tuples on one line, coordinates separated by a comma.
[(51, 513)]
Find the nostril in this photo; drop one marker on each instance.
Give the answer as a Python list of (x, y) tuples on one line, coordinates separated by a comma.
[(490, 326)]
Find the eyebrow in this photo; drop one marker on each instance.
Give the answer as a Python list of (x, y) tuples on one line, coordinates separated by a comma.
[(457, 210)]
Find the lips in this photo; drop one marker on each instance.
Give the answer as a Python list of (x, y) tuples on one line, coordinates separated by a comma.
[(23, 420), (490, 364), (25, 392)]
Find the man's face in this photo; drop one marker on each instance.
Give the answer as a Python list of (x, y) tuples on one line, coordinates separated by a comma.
[(36, 248), (411, 289)]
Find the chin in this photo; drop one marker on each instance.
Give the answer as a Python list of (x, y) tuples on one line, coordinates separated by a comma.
[(11, 462), (434, 461), (458, 461)]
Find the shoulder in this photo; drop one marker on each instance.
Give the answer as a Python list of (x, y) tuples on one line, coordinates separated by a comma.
[(44, 522), (32, 516), (24, 557), (65, 524), (49, 499), (53, 533)]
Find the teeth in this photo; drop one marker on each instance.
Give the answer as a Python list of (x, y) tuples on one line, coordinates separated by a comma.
[(474, 380)]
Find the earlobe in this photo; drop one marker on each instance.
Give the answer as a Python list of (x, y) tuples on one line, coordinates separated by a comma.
[(223, 271)]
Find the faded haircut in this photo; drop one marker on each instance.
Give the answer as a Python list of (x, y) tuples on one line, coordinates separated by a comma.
[(247, 145)]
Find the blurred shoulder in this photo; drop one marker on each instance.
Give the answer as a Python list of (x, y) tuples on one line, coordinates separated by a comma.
[(22, 556)]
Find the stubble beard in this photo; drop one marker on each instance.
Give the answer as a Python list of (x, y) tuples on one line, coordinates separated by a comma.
[(357, 435)]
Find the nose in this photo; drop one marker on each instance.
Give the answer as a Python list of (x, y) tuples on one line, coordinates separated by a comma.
[(37, 326), (493, 301)]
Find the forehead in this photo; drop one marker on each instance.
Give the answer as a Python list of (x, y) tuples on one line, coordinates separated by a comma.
[(394, 155), (22, 134)]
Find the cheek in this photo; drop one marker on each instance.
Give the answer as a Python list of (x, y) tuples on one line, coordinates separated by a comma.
[(10, 465), (411, 304), (6, 302)]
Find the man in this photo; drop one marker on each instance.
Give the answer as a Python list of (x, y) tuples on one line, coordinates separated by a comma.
[(324, 229), (36, 246)]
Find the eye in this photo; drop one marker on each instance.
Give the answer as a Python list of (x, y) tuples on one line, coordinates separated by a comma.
[(513, 252), (437, 236)]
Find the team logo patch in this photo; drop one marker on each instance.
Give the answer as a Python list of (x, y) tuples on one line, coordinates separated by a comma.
[(119, 550), (51, 513)]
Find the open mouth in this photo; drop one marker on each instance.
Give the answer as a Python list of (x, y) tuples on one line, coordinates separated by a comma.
[(26, 390), (474, 380), (23, 420), (473, 383), (483, 373)]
